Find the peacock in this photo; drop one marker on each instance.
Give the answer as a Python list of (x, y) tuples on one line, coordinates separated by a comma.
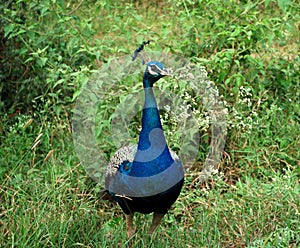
[(147, 177)]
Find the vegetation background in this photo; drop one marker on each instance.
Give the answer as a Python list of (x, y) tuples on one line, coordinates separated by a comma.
[(49, 49)]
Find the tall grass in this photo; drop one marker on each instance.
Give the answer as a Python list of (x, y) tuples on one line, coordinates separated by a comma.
[(251, 52)]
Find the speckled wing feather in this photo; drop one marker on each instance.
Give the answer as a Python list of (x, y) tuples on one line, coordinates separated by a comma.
[(125, 153)]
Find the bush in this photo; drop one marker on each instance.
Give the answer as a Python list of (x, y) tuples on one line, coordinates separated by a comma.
[(46, 55)]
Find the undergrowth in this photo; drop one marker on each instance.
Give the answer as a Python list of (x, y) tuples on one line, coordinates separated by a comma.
[(49, 50)]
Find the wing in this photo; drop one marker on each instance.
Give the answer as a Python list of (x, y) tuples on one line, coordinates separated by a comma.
[(124, 154), (123, 158)]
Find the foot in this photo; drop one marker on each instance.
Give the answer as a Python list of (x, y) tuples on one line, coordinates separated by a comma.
[(130, 230), (155, 222)]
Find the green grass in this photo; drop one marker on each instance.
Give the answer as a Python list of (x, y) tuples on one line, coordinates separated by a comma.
[(251, 52)]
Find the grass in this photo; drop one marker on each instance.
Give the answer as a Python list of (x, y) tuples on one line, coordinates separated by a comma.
[(46, 198)]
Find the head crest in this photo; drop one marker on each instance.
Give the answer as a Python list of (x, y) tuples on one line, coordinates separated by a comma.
[(140, 49)]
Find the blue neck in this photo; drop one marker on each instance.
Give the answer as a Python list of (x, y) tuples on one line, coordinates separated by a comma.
[(150, 119), (150, 116), (153, 155)]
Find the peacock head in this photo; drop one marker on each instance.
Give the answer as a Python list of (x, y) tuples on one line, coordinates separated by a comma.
[(154, 71)]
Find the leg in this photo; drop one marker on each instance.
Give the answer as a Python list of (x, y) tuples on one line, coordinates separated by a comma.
[(155, 221), (129, 225)]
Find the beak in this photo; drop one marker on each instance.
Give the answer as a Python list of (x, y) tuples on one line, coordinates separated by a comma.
[(166, 72)]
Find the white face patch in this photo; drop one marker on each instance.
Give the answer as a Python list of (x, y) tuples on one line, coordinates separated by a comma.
[(154, 70)]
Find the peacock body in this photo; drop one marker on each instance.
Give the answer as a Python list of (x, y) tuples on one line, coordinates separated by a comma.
[(146, 177)]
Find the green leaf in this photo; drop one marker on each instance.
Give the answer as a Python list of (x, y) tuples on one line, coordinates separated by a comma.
[(21, 31), (238, 81), (41, 61), (267, 3), (60, 81), (28, 60), (283, 4), (76, 94), (8, 29)]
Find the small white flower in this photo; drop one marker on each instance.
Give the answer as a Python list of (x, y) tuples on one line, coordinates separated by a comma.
[(167, 108)]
